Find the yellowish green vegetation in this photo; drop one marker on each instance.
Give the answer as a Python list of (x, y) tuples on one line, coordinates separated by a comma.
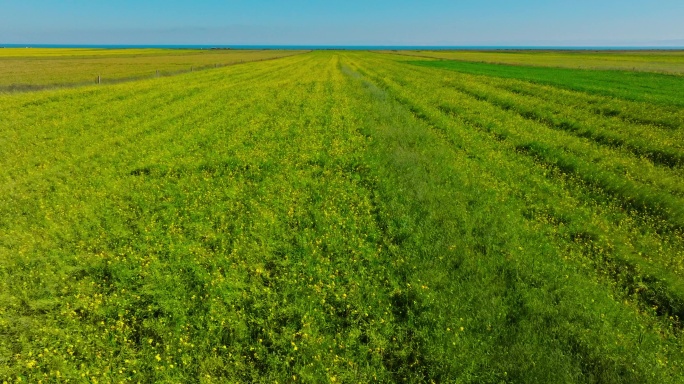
[(344, 217), (91, 52), (36, 68), (647, 61)]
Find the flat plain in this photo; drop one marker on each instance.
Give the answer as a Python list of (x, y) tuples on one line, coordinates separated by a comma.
[(345, 217), (40, 68), (663, 61)]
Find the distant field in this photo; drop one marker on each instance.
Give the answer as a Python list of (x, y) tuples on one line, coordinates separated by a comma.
[(25, 69), (631, 85), (91, 52), (345, 217), (647, 61)]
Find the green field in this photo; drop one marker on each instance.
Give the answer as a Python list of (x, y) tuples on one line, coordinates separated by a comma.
[(643, 61), (345, 217), (38, 68)]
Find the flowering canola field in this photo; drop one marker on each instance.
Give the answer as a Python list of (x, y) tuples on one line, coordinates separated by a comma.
[(342, 217)]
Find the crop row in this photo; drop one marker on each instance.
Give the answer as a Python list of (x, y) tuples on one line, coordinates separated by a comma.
[(665, 119), (636, 181), (552, 227), (453, 109), (662, 147)]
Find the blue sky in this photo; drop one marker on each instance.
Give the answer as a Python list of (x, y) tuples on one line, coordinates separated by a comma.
[(351, 22)]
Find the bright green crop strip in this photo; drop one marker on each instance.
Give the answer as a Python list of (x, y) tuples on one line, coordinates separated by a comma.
[(639, 86), (319, 218), (661, 61)]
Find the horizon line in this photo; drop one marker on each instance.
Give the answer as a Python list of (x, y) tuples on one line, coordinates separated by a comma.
[(349, 46)]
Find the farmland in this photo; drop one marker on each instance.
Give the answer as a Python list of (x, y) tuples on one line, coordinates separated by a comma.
[(671, 62), (345, 217), (39, 68)]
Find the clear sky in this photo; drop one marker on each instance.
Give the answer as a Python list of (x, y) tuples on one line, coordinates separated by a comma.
[(350, 22)]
